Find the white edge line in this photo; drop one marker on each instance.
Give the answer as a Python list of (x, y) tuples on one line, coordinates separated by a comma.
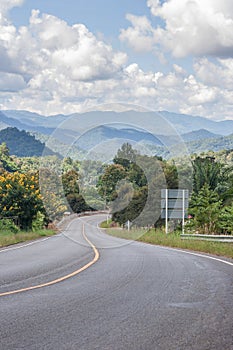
[(63, 278), (191, 253), (25, 245), (35, 242), (168, 248), (181, 251)]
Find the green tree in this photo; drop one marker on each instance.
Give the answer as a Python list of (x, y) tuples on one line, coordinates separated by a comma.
[(205, 207), (52, 193), (225, 220), (71, 191), (206, 171), (70, 182), (77, 203), (132, 209), (126, 155), (69, 164), (7, 162), (171, 174), (108, 181), (20, 197)]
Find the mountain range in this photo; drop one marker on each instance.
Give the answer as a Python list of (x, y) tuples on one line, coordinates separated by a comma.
[(199, 134), (181, 122)]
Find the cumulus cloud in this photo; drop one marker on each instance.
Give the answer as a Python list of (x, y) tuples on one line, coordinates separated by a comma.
[(141, 35), (191, 27), (218, 74), (174, 91), (55, 61), (51, 44), (6, 5), (51, 67)]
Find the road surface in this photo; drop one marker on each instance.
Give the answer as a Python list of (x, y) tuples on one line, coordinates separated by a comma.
[(122, 295)]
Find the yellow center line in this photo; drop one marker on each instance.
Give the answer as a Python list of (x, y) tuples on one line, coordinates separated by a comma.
[(58, 280)]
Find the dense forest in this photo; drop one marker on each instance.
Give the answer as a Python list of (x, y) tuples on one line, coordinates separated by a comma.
[(40, 189), (22, 143)]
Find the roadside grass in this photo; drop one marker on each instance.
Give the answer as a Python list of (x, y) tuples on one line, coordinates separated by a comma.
[(8, 238), (173, 240), (106, 224)]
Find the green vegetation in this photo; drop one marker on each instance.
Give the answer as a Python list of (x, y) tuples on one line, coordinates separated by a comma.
[(21, 143), (130, 187), (8, 238), (173, 240), (7, 225), (22, 199), (215, 144), (108, 224), (135, 182), (211, 205)]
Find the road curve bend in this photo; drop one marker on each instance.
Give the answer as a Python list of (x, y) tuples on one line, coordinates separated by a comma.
[(85, 290)]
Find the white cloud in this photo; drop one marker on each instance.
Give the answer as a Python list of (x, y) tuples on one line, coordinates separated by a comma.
[(11, 82), (219, 74), (140, 36), (51, 44), (6, 5), (51, 67), (191, 27), (50, 93)]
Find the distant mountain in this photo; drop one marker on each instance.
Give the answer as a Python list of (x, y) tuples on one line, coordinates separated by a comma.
[(103, 133), (117, 107), (22, 144), (201, 134), (212, 144), (182, 123), (23, 124), (35, 119), (187, 123)]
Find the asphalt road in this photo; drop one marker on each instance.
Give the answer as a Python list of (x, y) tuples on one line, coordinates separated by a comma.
[(135, 296)]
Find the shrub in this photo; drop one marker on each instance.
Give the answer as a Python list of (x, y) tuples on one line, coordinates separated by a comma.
[(8, 225)]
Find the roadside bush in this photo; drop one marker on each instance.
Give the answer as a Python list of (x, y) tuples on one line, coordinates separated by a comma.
[(38, 222), (8, 225)]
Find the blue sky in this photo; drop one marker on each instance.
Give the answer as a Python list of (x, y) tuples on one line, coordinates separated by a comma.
[(173, 55), (100, 16)]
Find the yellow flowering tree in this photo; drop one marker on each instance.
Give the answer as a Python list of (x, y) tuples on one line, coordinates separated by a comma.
[(20, 196)]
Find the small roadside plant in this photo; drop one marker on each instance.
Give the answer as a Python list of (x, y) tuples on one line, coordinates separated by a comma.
[(7, 225)]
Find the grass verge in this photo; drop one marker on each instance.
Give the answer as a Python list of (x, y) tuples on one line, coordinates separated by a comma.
[(173, 240), (8, 238)]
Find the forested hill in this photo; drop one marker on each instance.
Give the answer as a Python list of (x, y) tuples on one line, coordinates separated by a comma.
[(22, 144)]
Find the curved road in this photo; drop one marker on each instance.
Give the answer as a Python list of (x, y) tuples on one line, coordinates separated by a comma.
[(133, 296)]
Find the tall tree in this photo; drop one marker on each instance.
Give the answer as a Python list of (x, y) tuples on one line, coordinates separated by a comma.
[(206, 171), (126, 155), (205, 208), (109, 180)]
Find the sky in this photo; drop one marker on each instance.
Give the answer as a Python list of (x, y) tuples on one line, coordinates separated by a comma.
[(65, 57)]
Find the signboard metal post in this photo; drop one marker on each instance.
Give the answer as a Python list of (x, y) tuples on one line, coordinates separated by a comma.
[(174, 205), (166, 208), (183, 212)]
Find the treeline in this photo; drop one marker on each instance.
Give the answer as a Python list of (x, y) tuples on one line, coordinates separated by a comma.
[(37, 190), (22, 144), (131, 186), (211, 205), (25, 201), (133, 183)]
